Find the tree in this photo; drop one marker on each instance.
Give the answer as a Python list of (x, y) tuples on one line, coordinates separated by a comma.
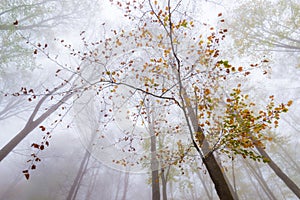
[(19, 21), (34, 122), (165, 59), (271, 26), (39, 20), (182, 63)]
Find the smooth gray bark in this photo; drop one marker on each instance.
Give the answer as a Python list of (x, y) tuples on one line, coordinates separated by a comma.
[(33, 123), (289, 183)]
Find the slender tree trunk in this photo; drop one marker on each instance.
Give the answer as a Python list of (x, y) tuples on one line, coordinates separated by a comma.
[(289, 183), (261, 181), (126, 183), (92, 184), (164, 181), (154, 167), (286, 154), (75, 186), (80, 179), (258, 192), (233, 176), (209, 196), (154, 160), (32, 124), (118, 186)]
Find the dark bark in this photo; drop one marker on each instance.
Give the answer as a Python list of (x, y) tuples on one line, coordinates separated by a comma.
[(154, 160), (222, 185), (154, 169), (217, 176)]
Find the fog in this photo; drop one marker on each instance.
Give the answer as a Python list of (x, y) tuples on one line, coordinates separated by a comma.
[(92, 108)]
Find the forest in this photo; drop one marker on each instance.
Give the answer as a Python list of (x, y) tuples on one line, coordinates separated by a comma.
[(149, 99)]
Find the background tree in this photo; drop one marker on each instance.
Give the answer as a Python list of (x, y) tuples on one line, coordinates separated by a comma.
[(273, 26)]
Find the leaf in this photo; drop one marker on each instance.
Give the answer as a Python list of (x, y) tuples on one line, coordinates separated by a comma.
[(42, 128), (27, 176), (184, 23), (290, 102), (34, 145)]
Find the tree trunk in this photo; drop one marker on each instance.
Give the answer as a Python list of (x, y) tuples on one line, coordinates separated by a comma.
[(261, 181), (126, 183), (209, 196), (258, 192), (222, 186), (154, 169), (32, 124), (218, 177), (154, 160), (75, 186), (286, 154), (293, 187), (164, 180)]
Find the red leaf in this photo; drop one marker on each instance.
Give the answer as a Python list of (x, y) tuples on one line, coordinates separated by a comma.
[(34, 145), (42, 128), (27, 176)]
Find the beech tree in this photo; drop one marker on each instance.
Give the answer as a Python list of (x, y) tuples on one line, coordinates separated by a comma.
[(194, 77), (38, 19), (273, 26)]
